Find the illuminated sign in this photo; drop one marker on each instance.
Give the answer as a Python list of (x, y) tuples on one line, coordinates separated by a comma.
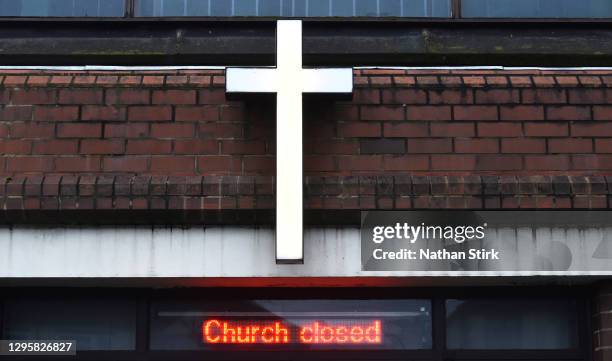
[(219, 331), (292, 325)]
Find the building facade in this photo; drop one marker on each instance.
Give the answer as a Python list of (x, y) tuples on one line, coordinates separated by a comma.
[(138, 198)]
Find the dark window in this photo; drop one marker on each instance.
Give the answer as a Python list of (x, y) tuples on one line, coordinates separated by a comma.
[(404, 324), (82, 8), (536, 8), (94, 323), (524, 324), (295, 8)]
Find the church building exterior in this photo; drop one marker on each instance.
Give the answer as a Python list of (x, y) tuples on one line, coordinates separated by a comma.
[(285, 180)]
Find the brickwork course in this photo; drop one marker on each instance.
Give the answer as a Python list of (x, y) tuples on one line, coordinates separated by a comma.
[(407, 139)]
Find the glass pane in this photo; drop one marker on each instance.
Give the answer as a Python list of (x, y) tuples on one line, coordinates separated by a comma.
[(511, 324), (95, 324), (291, 325), (294, 8), (109, 8), (536, 8)]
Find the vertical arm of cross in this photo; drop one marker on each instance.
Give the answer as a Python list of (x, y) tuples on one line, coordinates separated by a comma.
[(289, 173)]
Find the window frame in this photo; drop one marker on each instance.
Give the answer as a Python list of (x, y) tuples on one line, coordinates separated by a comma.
[(455, 17), (437, 296)]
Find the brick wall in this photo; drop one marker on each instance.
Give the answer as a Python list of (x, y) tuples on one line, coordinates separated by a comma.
[(602, 321), (512, 125)]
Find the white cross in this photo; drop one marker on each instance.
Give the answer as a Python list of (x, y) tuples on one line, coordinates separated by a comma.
[(289, 80)]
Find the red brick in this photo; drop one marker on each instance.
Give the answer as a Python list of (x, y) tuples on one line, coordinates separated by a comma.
[(176, 80), (522, 112), (212, 96), (107, 113), (499, 162), (497, 80), (31, 130), (153, 80), (568, 113), (125, 164), (543, 81), (173, 164), (523, 145), (259, 164), (451, 96), (15, 146), (382, 113), (428, 113), (198, 80), (84, 80), (172, 97), (331, 147), (369, 96), (197, 113), (75, 130), (32, 96), (405, 130), (589, 80), (150, 113), (107, 80), (148, 146), (453, 162), (128, 97), (603, 145), (590, 96), (242, 147), (429, 146), (131, 130), (381, 80), (29, 164), (404, 96), (546, 129), (232, 113), (475, 112), (80, 96), (602, 112), (592, 162), (497, 96), (182, 130), (360, 162), (11, 113), (318, 163), (196, 146), (476, 145), (406, 162), (544, 96), (10, 80), (61, 80), (399, 80), (218, 80), (520, 81), (591, 129), (499, 129), (56, 147), (359, 129), (475, 81), (219, 130), (219, 164), (452, 129), (547, 162), (570, 145), (97, 146), (567, 81), (56, 113), (451, 80), (77, 164), (130, 80)]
